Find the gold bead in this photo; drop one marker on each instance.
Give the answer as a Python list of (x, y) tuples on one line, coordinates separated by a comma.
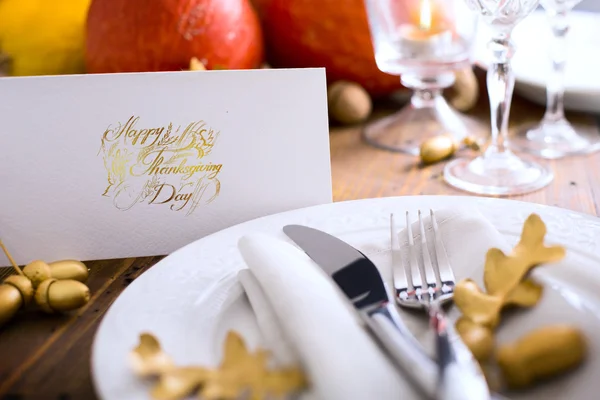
[(61, 295), (38, 271), (437, 148), (69, 269), (24, 286), (541, 354), (10, 302)]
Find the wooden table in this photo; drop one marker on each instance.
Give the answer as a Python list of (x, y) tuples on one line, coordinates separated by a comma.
[(44, 357)]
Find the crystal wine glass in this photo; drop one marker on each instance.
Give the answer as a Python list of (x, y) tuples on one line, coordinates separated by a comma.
[(425, 42), (498, 171), (554, 136)]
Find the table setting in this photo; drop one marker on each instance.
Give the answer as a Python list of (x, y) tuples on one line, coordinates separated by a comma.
[(226, 207), (298, 312)]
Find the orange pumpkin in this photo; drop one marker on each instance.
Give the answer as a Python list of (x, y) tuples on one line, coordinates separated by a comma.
[(324, 33), (141, 35)]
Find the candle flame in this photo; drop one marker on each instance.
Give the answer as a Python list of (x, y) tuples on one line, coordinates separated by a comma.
[(425, 15)]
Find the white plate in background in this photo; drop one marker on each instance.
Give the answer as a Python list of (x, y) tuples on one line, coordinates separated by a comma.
[(532, 66)]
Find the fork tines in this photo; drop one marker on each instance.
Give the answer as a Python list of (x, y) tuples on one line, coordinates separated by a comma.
[(438, 276)]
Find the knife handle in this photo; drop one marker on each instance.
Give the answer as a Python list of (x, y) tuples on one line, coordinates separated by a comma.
[(385, 323)]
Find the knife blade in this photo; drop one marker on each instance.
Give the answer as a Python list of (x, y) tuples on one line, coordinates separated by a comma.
[(360, 281)]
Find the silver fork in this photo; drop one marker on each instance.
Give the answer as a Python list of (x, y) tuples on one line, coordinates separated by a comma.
[(459, 374)]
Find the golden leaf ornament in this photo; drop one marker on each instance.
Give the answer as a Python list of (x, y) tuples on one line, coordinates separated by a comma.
[(539, 354), (240, 373)]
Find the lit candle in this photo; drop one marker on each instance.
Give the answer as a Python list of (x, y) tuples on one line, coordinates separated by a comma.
[(425, 15), (424, 39)]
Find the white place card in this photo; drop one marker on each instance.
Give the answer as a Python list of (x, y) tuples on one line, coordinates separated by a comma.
[(126, 165)]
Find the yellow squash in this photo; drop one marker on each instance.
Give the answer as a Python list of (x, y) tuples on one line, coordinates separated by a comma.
[(43, 37)]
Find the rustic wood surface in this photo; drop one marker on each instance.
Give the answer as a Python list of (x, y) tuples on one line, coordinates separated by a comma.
[(48, 357)]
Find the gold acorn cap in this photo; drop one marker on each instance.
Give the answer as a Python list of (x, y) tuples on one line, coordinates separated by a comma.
[(24, 286), (41, 295), (38, 271)]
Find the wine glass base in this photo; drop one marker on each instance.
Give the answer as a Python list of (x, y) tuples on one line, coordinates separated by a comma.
[(556, 139), (405, 130), (499, 174)]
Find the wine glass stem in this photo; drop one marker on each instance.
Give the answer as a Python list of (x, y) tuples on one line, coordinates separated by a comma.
[(500, 84), (426, 89), (424, 97), (558, 54)]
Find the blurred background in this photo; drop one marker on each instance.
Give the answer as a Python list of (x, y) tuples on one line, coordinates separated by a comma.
[(42, 37)]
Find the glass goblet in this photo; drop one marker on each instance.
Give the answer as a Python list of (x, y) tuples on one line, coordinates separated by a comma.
[(425, 42), (498, 171), (555, 136)]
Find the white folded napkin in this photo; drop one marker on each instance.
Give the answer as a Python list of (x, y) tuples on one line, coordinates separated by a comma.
[(340, 358), (305, 319)]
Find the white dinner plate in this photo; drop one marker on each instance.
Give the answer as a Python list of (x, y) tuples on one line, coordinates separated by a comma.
[(177, 301), (532, 66)]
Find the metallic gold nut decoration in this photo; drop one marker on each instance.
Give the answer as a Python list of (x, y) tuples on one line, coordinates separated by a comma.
[(41, 295), (67, 295), (24, 286), (38, 271), (61, 295), (541, 354), (51, 295), (10, 302), (437, 148), (69, 269), (441, 147)]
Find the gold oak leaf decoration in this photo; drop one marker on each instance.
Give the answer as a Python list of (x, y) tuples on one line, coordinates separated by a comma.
[(506, 284), (240, 373), (479, 307), (148, 359), (526, 294), (503, 273)]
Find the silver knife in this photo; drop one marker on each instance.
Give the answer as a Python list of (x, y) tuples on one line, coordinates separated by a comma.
[(361, 282)]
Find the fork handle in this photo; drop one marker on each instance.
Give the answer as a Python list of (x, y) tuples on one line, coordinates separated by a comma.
[(406, 352), (460, 377)]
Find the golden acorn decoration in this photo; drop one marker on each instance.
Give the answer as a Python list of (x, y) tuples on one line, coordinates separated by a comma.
[(23, 285), (38, 271), (11, 301), (55, 287), (59, 296), (69, 269), (442, 147)]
